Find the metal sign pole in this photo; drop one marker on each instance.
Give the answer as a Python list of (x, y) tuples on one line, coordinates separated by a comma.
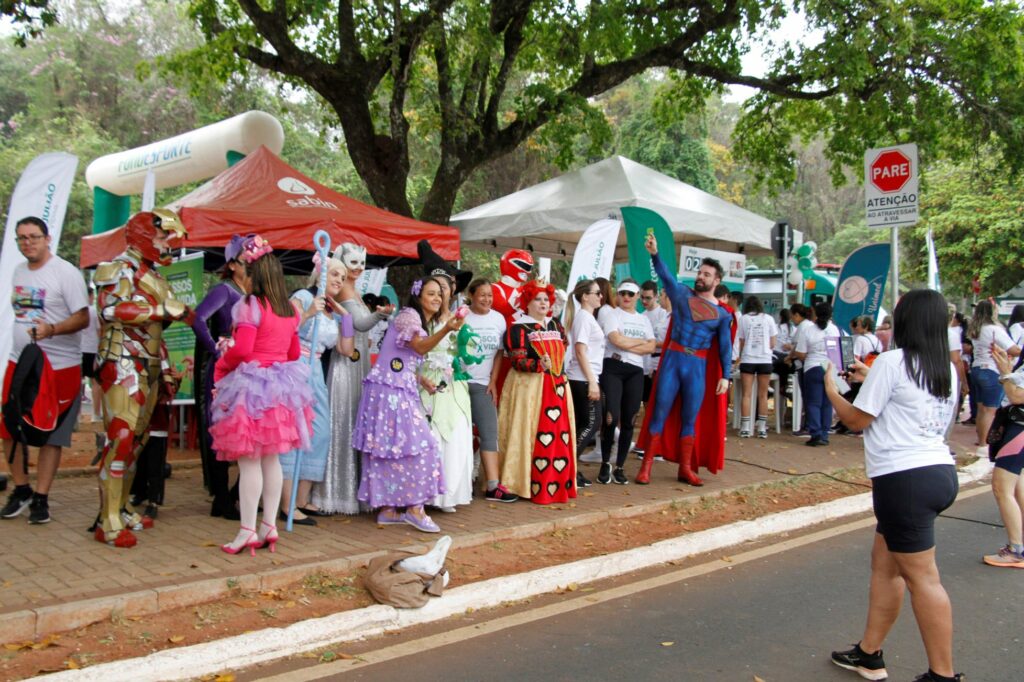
[(894, 245)]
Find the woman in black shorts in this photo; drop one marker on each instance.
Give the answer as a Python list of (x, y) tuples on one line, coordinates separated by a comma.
[(904, 407), (1008, 455)]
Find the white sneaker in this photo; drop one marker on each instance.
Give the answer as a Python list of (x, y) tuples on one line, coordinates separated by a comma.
[(745, 434), (591, 456)]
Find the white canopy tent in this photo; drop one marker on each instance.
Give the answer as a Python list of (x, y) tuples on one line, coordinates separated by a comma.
[(549, 219)]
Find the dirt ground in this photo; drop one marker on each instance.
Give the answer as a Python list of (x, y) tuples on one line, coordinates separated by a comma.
[(321, 594)]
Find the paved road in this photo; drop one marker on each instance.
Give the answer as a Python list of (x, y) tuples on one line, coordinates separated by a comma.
[(776, 618)]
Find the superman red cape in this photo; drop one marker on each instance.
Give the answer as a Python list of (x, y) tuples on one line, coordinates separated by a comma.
[(709, 432)]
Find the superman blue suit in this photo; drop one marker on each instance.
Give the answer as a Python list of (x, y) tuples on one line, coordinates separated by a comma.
[(699, 327)]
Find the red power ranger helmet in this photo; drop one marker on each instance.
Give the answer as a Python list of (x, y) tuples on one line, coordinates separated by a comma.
[(142, 229), (517, 265)]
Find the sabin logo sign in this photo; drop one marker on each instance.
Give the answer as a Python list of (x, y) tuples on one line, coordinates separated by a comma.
[(296, 186)]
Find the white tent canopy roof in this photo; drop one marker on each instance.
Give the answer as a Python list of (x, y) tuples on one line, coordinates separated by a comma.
[(549, 218)]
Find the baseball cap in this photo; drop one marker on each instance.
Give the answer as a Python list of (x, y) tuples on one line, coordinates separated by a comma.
[(628, 286)]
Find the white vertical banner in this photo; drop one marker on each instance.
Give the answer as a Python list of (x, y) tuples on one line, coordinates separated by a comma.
[(933, 264), (372, 281), (544, 269), (42, 191), (595, 252)]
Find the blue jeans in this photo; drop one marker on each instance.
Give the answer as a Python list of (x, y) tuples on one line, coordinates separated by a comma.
[(985, 387), (819, 409)]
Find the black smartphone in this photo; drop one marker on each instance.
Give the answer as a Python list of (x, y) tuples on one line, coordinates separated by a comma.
[(846, 349)]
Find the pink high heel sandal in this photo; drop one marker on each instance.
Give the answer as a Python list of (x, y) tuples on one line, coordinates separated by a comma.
[(252, 543), (270, 538)]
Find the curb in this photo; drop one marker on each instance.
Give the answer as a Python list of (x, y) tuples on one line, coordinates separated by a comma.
[(243, 651)]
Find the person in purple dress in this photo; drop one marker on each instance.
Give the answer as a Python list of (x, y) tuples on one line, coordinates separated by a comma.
[(401, 458), (213, 321)]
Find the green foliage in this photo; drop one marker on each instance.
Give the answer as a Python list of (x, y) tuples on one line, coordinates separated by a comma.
[(848, 239), (76, 135), (655, 133), (29, 17), (976, 213), (441, 89), (945, 75)]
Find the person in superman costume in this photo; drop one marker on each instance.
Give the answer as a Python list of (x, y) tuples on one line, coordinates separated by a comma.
[(696, 360)]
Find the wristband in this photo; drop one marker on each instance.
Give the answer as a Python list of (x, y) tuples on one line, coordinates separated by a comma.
[(1005, 377)]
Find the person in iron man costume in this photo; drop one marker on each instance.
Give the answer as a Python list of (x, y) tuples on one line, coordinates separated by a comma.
[(135, 304), (516, 269)]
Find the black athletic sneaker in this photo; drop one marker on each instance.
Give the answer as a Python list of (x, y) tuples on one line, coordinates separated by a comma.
[(39, 511), (17, 502), (604, 476), (868, 666), (619, 476), (929, 677), (501, 494), (582, 481)]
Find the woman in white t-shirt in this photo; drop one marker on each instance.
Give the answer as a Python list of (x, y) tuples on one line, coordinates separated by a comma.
[(756, 338), (907, 400), (583, 367), (984, 331), (812, 347), (630, 337), (490, 327)]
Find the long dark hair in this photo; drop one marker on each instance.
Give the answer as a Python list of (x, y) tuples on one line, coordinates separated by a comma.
[(1016, 315), (822, 314), (267, 284), (414, 302), (919, 329), (607, 295), (752, 305)]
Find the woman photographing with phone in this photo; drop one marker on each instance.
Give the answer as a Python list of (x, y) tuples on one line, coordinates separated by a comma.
[(904, 406)]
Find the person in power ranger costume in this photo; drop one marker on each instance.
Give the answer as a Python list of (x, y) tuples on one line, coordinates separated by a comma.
[(690, 370), (516, 268), (134, 303)]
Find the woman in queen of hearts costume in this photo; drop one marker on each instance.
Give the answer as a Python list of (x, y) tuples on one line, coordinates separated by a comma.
[(536, 434)]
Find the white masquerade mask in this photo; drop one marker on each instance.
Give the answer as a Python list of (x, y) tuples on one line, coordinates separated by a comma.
[(353, 256)]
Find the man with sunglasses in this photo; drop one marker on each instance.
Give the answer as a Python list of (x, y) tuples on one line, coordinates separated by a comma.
[(50, 304)]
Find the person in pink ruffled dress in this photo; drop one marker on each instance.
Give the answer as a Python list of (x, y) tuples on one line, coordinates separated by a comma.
[(263, 402)]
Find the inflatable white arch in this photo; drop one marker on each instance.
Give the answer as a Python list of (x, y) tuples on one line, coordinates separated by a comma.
[(191, 156)]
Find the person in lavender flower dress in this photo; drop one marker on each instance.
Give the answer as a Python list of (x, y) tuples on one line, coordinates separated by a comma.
[(401, 458)]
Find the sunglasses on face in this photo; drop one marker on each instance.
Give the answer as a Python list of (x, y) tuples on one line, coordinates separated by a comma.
[(627, 293)]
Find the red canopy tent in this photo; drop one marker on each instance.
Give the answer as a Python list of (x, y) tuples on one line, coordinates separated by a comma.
[(262, 193)]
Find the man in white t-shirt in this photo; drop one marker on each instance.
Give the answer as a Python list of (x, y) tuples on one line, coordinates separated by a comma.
[(50, 308)]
